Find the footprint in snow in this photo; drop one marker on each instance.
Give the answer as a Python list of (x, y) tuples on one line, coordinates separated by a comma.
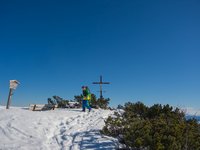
[(61, 124), (62, 131)]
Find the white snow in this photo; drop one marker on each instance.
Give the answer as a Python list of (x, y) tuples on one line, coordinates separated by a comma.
[(59, 129)]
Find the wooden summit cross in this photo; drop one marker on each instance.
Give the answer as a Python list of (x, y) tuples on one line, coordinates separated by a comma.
[(100, 83)]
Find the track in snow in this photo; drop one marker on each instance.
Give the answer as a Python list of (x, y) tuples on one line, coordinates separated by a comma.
[(82, 132)]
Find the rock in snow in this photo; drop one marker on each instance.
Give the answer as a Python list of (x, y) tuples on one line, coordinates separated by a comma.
[(60, 129)]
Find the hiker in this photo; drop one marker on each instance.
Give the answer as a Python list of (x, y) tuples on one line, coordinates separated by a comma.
[(86, 97)]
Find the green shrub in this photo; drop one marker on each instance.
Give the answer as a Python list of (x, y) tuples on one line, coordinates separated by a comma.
[(156, 128)]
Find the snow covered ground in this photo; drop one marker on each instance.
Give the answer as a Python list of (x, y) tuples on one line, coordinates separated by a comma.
[(60, 129)]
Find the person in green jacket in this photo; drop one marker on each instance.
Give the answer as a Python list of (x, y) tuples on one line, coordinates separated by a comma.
[(86, 96)]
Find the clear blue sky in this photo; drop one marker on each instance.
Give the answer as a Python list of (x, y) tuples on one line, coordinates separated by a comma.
[(148, 50)]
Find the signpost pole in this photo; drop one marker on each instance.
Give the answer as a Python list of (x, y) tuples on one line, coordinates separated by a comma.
[(9, 98)]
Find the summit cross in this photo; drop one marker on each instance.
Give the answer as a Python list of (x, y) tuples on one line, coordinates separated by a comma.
[(100, 84)]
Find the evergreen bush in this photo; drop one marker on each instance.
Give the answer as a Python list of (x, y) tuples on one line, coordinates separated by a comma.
[(153, 128)]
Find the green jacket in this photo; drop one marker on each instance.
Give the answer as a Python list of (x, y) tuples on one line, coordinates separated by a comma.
[(86, 94)]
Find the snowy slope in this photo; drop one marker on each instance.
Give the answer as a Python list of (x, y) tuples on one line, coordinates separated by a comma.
[(60, 129)]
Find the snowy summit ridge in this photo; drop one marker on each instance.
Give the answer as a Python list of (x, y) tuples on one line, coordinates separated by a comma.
[(59, 129)]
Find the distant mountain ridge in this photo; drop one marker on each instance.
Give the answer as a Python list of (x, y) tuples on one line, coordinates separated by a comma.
[(192, 116)]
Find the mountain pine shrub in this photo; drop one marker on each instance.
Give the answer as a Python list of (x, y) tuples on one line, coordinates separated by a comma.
[(157, 127)]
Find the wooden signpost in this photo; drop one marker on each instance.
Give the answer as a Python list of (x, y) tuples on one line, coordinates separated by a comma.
[(13, 86)]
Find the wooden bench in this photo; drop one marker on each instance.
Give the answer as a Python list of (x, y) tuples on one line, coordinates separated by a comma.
[(41, 107)]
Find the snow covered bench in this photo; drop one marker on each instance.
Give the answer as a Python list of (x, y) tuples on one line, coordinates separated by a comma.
[(40, 107)]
